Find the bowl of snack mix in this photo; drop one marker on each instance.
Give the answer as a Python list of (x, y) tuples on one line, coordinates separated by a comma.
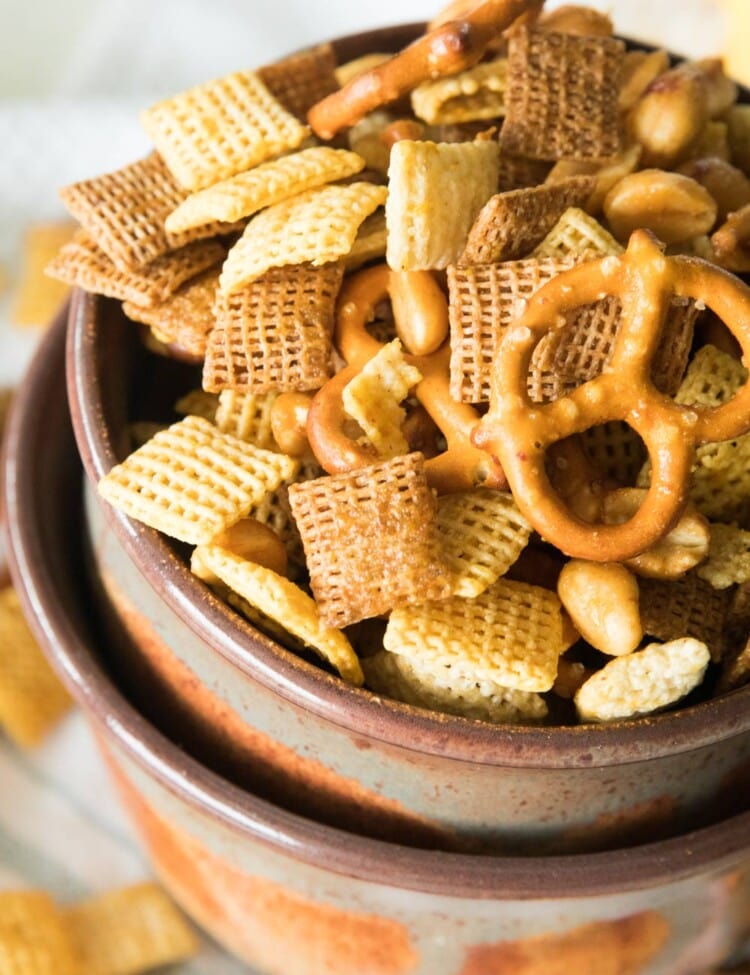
[(424, 509), (291, 895)]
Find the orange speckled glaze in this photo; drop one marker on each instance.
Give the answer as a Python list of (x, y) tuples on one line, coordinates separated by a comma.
[(640, 823), (619, 947), (273, 928)]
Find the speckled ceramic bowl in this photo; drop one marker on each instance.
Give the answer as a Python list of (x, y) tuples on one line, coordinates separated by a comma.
[(282, 726), (295, 897)]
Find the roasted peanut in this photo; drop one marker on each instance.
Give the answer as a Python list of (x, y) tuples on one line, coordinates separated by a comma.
[(403, 128), (570, 677), (673, 206), (608, 172), (713, 141), (727, 185), (602, 599), (574, 19), (731, 242), (289, 423), (720, 91), (670, 117), (419, 309), (738, 126), (681, 550), (639, 70)]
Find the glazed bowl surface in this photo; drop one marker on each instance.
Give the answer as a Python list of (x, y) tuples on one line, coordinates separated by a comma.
[(279, 724), (297, 897)]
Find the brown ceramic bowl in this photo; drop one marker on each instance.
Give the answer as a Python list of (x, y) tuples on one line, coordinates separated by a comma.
[(281, 725), (295, 897)]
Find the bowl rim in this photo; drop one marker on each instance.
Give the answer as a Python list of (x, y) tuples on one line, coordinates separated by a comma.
[(304, 685), (39, 411)]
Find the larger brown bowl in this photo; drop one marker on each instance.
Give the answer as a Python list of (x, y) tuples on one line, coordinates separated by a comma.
[(273, 721), (295, 897)]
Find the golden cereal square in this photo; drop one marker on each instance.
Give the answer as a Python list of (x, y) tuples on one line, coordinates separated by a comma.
[(441, 690), (247, 416), (563, 96), (221, 128), (370, 243), (34, 939), (478, 93), (32, 699), (191, 481), (301, 80), (578, 233), (271, 182), (616, 450), (128, 931), (370, 539), (510, 634), (274, 334), (728, 560), (183, 319), (435, 190), (510, 225), (37, 298), (198, 403), (318, 227)]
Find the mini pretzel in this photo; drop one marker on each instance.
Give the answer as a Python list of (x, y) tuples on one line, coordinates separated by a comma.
[(518, 432), (448, 49), (462, 466)]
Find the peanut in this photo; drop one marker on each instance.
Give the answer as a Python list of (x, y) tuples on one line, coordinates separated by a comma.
[(574, 19), (602, 600), (641, 68), (289, 423), (570, 677), (721, 92), (670, 116), (713, 141), (673, 206), (738, 125), (607, 172), (727, 185)]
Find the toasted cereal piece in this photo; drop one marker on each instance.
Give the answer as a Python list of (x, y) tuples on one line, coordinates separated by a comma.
[(247, 416), (221, 128), (128, 931), (302, 79), (191, 480), (318, 226), (605, 173), (124, 212), (728, 560), (370, 243), (563, 96), (33, 936), (287, 604), (520, 173), (370, 539), (275, 333), (37, 298), (639, 69), (275, 511), (616, 449), (478, 93), (32, 699), (484, 301), (81, 263), (510, 634), (482, 534), (403, 679), (373, 398), (423, 232), (512, 224), (184, 318), (577, 233), (685, 607), (244, 194), (713, 377), (643, 682), (199, 403)]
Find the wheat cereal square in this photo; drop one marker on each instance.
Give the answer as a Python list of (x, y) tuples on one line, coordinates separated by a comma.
[(247, 416), (563, 96), (301, 80), (685, 607), (34, 939), (475, 94), (370, 539), (185, 318)]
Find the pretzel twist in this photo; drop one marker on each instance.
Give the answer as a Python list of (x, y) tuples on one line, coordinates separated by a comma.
[(448, 49), (518, 433), (421, 315)]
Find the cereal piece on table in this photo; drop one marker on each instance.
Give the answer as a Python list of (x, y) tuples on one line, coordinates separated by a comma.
[(37, 298), (247, 416), (198, 403), (32, 699), (510, 634), (685, 607), (563, 96), (373, 398), (370, 539), (128, 931), (191, 481), (435, 190), (402, 679), (728, 557), (271, 182), (123, 212), (616, 450), (221, 128), (286, 604), (478, 93), (303, 79), (643, 682), (318, 226), (184, 318), (577, 233), (81, 263), (510, 225), (482, 534), (274, 334), (34, 939), (370, 243)]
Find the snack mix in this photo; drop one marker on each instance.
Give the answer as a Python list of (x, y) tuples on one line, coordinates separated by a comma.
[(474, 425)]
